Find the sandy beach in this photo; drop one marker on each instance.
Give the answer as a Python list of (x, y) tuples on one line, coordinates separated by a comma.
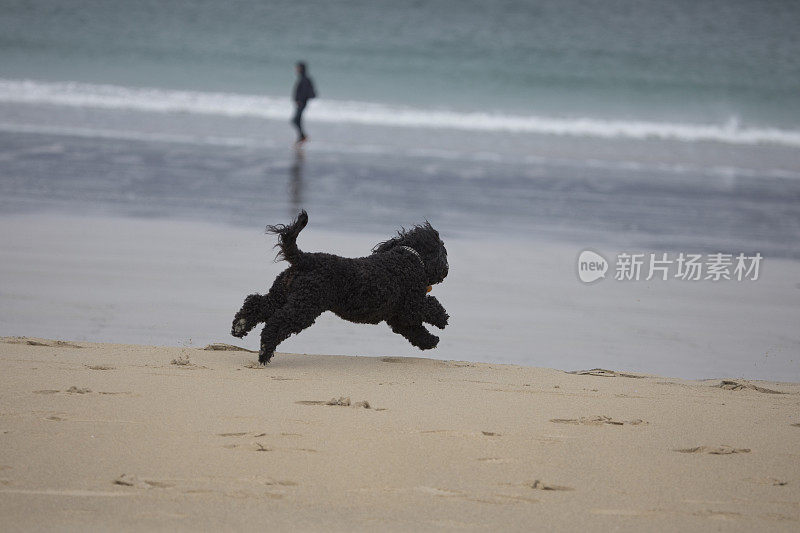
[(129, 437), (617, 185)]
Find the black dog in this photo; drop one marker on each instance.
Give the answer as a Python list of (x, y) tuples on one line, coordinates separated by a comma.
[(390, 285)]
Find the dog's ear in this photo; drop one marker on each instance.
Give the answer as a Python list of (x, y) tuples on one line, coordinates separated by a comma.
[(385, 246)]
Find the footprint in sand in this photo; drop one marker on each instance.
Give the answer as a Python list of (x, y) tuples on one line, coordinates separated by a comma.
[(456, 433), (222, 347), (425, 361), (259, 447), (621, 512), (718, 515), (713, 450), (770, 481), (598, 421), (254, 447), (4, 481), (501, 499), (444, 493), (40, 342), (743, 385), (281, 482), (540, 485), (158, 484), (497, 499), (602, 372), (254, 434), (255, 365), (184, 362), (71, 390), (340, 401), (127, 480)]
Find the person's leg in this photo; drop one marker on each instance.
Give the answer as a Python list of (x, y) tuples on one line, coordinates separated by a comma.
[(296, 119), (298, 122)]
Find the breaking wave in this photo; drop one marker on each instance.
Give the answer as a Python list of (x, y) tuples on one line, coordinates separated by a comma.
[(242, 105)]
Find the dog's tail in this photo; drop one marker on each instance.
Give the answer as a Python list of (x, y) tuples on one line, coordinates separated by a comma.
[(287, 247)]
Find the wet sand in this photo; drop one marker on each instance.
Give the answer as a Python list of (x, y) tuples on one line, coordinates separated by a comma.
[(179, 282)]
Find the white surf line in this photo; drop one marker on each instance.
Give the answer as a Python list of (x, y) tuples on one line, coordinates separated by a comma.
[(86, 95)]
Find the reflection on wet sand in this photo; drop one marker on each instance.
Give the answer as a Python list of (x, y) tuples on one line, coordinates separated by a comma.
[(296, 182)]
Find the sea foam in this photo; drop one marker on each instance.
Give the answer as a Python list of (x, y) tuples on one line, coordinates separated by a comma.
[(75, 94)]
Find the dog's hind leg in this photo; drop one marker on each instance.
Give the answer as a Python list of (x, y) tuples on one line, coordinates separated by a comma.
[(298, 314), (258, 308), (416, 334)]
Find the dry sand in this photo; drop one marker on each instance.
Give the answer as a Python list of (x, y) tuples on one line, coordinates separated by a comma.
[(122, 437)]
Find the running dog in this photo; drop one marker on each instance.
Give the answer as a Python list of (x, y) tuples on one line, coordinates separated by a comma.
[(391, 284)]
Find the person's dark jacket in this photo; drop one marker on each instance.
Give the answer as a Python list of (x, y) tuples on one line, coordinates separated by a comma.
[(304, 90)]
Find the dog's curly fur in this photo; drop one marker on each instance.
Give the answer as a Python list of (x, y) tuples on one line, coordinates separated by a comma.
[(390, 285)]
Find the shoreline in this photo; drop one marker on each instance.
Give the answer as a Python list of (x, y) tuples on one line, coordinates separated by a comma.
[(168, 281), (223, 347), (142, 437)]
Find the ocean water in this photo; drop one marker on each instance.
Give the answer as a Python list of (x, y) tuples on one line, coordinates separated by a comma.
[(514, 126), (722, 64)]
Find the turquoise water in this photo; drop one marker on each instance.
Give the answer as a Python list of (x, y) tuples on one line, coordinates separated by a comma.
[(706, 62)]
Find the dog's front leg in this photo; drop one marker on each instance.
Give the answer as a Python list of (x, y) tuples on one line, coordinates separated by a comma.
[(434, 313), (416, 334)]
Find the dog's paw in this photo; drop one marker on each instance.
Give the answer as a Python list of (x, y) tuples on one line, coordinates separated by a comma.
[(440, 322), (428, 343), (264, 355), (239, 328)]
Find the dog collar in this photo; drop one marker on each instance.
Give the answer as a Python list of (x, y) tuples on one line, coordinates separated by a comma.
[(413, 251)]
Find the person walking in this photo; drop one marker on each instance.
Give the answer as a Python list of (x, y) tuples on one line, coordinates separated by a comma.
[(303, 92)]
